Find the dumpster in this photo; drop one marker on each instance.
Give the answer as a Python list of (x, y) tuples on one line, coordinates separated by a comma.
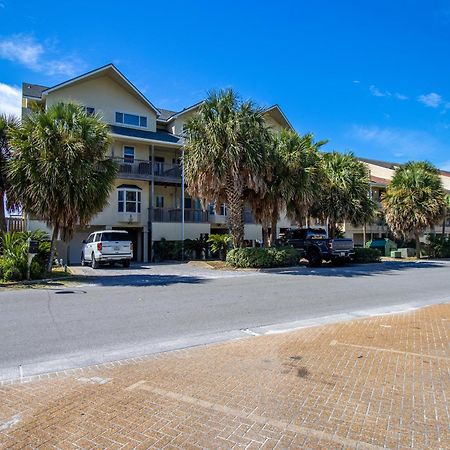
[(384, 245)]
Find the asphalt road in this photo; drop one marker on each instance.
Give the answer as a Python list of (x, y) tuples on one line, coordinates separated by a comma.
[(119, 314)]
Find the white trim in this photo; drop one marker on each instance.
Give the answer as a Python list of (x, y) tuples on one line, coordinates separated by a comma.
[(138, 139), (137, 202), (99, 70), (180, 113)]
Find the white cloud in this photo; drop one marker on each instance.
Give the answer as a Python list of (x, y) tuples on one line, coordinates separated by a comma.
[(10, 100), (25, 50), (377, 93), (356, 81), (431, 100), (399, 142)]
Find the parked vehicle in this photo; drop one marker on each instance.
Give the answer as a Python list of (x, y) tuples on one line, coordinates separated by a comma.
[(108, 246), (316, 247)]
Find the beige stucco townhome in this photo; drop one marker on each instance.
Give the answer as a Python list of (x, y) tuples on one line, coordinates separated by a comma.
[(147, 143)]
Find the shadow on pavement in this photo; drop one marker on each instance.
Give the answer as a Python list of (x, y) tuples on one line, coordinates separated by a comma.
[(356, 270), (141, 280)]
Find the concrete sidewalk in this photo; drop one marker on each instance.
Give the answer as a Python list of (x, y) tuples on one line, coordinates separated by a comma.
[(372, 383)]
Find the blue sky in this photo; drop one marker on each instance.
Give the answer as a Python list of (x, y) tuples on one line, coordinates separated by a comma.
[(370, 76)]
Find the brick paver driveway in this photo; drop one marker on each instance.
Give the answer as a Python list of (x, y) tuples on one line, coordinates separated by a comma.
[(373, 383)]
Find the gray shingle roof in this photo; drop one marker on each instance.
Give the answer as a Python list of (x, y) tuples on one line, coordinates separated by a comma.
[(144, 134), (33, 90), (165, 113)]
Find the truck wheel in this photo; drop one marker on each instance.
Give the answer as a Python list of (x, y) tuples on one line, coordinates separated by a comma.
[(94, 262), (314, 257)]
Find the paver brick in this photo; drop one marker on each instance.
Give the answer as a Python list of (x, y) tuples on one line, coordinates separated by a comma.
[(380, 382)]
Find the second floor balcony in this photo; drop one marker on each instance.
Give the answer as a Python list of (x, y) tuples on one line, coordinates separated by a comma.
[(139, 169), (173, 215)]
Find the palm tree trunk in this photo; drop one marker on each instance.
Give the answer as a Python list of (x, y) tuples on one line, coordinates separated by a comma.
[(417, 237), (265, 235), (273, 231), (235, 203), (52, 247), (2, 212)]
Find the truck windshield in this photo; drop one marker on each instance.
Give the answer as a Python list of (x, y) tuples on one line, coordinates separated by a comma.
[(115, 237)]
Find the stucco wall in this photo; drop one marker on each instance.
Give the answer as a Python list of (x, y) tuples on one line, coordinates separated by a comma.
[(107, 97)]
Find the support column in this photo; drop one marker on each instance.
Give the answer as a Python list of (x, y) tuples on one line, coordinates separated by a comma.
[(182, 203), (152, 201), (145, 243)]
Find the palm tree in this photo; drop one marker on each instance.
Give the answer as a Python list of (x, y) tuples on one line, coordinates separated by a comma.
[(6, 123), (291, 182), (344, 192), (225, 155), (446, 213), (414, 200), (59, 170)]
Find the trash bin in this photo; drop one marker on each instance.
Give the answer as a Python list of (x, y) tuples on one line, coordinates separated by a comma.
[(384, 245)]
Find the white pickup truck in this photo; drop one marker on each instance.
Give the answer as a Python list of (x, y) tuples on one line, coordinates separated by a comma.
[(108, 246)]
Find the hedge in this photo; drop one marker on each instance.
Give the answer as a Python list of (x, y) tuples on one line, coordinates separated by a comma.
[(252, 257), (367, 255)]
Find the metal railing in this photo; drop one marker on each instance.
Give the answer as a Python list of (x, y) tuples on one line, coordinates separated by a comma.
[(142, 169), (174, 215)]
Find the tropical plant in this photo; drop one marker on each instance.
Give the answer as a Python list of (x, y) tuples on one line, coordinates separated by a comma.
[(291, 181), (59, 170), (225, 155), (344, 192), (14, 250), (414, 200), (6, 123), (219, 243)]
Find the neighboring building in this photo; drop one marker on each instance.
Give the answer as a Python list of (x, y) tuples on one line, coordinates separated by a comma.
[(381, 172), (147, 144)]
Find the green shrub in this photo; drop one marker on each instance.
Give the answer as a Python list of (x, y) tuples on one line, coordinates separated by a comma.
[(167, 250), (439, 246), (219, 244), (253, 257), (367, 255), (14, 260)]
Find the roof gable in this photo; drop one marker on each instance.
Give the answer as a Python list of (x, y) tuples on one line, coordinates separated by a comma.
[(111, 71)]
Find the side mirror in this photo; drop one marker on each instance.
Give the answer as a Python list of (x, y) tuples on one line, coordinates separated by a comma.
[(84, 241)]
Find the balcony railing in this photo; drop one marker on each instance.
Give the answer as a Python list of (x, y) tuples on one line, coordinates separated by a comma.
[(142, 169), (174, 215)]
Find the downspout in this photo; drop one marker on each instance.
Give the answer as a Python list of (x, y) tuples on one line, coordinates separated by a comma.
[(182, 203)]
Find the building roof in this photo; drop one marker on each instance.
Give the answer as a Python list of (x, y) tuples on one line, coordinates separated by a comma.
[(33, 90), (165, 114), (144, 134), (276, 112), (378, 180), (116, 74)]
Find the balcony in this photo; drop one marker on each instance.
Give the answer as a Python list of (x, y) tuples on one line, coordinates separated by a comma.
[(141, 169), (174, 215)]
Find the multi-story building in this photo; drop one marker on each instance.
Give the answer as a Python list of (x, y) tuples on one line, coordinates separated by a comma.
[(381, 172), (147, 143)]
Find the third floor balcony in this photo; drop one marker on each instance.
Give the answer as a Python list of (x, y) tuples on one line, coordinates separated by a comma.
[(138, 169)]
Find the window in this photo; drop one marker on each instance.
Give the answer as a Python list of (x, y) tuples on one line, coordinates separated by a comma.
[(90, 239), (129, 201), (114, 237), (128, 154), (160, 201), (159, 165), (98, 237), (89, 110), (131, 119)]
